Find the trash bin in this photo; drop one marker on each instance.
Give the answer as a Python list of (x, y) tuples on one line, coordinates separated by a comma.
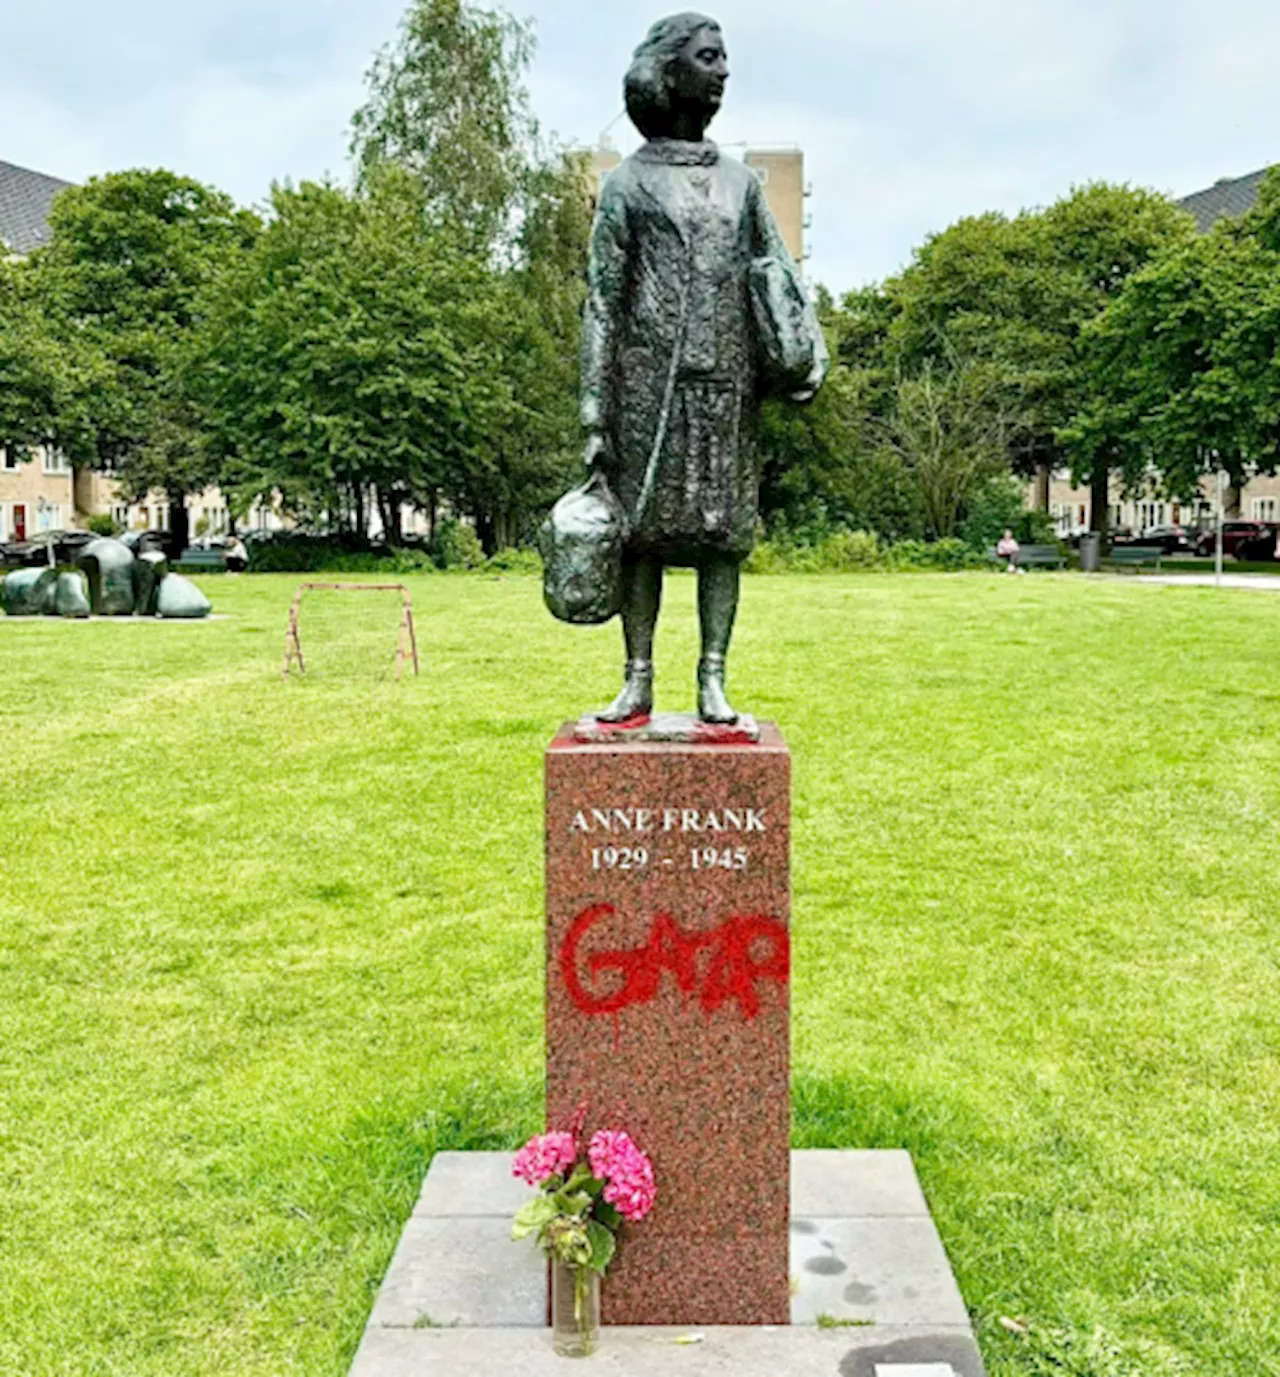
[(1090, 552)]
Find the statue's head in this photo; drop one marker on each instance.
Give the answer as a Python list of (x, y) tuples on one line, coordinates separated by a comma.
[(677, 76)]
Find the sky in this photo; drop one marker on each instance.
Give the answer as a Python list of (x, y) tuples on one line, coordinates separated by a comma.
[(910, 115)]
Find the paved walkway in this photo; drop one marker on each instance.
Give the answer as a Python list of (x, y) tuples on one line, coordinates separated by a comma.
[(1258, 583)]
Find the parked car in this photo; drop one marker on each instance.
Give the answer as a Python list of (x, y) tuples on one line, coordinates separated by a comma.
[(1254, 540), (140, 542), (35, 550), (1173, 540)]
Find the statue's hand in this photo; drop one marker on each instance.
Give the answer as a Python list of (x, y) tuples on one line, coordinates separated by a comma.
[(597, 450)]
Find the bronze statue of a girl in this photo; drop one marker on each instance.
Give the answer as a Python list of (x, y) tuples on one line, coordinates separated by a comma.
[(695, 312)]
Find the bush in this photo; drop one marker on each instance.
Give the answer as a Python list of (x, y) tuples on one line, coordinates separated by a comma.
[(306, 554), (456, 546), (512, 561), (850, 551), (103, 525), (950, 554)]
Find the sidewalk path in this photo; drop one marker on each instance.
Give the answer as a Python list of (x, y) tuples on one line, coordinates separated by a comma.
[(1258, 583)]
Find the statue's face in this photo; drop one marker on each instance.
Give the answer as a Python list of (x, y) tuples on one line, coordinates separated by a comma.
[(700, 72)]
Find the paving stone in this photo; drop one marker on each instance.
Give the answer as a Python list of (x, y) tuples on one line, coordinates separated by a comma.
[(473, 1184), (873, 1261), (640, 1352), (890, 1271), (835, 1184), (462, 1272)]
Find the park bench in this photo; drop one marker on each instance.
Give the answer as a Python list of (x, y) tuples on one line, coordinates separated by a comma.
[(209, 560), (1135, 556), (1040, 557)]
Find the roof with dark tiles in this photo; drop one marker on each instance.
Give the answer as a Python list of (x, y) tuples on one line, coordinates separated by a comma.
[(25, 200), (1225, 199)]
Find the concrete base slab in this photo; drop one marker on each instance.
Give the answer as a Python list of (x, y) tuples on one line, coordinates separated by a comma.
[(461, 1300), (756, 1352)]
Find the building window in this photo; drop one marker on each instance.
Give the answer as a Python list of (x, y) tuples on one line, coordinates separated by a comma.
[(56, 462), (120, 515), (9, 462), (1264, 508)]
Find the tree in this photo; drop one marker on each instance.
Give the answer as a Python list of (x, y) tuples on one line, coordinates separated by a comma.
[(447, 106), (345, 363), (537, 451), (45, 376), (1098, 238), (952, 431), (1182, 367), (825, 468), (447, 103), (1016, 295), (131, 255)]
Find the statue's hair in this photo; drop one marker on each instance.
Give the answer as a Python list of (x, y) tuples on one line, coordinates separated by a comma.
[(648, 82)]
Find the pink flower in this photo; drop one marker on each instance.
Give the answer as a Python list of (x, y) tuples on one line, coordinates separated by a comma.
[(626, 1172), (549, 1154)]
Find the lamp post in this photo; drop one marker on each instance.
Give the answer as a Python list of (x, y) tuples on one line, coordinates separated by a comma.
[(1222, 489), (42, 508)]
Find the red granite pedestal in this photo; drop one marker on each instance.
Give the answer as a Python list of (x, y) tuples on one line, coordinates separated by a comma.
[(668, 904)]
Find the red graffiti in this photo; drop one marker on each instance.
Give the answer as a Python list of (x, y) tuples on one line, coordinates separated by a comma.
[(733, 970)]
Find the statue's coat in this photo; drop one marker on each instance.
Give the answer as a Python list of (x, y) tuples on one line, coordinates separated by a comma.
[(676, 231)]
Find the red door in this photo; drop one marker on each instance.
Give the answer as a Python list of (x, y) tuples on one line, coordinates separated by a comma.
[(19, 521)]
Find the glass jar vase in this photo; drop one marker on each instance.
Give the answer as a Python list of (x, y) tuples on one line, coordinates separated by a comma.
[(575, 1310)]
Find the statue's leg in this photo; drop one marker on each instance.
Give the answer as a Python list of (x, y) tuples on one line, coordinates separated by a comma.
[(718, 579), (641, 599)]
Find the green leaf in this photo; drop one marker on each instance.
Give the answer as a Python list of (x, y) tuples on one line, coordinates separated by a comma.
[(608, 1215), (580, 1178), (603, 1246), (533, 1217), (572, 1202)]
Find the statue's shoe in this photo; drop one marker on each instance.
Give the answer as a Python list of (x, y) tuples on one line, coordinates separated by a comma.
[(713, 702), (635, 702)]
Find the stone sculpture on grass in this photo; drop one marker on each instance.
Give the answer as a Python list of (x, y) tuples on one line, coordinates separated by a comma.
[(120, 583)]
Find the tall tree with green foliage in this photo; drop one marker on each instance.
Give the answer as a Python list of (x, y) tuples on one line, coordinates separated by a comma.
[(131, 256), (47, 376), (447, 105), (538, 451), (447, 102), (1184, 365), (346, 362), (1016, 295)]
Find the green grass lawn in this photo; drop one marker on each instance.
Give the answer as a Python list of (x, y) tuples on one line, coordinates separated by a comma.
[(265, 947)]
